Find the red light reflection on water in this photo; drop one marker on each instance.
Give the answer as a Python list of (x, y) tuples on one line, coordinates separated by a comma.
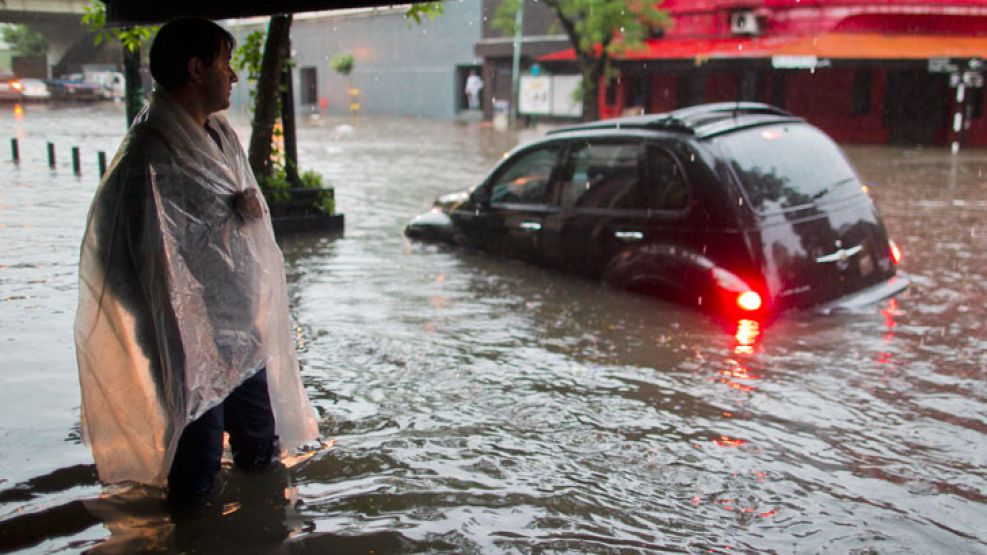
[(747, 334), (889, 312), (18, 112), (726, 441)]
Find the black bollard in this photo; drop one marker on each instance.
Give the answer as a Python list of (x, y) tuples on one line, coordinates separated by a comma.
[(51, 155), (101, 156), (76, 163), (15, 151)]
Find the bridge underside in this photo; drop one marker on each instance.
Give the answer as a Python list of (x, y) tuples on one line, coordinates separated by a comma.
[(68, 40), (144, 11)]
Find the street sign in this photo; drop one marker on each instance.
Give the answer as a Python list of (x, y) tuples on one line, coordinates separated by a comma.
[(943, 65), (955, 65), (798, 62)]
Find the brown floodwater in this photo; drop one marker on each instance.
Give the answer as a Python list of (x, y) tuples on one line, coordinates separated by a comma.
[(474, 404)]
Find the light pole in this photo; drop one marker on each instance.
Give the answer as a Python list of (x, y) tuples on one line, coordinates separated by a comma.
[(516, 62)]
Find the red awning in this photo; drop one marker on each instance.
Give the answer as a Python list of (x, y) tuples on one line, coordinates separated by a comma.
[(874, 46), (841, 46), (687, 49)]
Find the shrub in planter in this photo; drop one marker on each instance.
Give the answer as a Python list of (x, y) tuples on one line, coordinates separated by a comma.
[(312, 198)]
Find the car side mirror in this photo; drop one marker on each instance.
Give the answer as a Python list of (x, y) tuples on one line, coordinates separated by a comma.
[(479, 197)]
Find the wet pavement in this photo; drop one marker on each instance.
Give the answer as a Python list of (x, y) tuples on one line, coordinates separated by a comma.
[(473, 404)]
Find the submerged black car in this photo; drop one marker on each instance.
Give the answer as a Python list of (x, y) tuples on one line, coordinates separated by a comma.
[(739, 208)]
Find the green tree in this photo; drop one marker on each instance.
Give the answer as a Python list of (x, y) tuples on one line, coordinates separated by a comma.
[(132, 39), (598, 30), (26, 41), (267, 93), (419, 10)]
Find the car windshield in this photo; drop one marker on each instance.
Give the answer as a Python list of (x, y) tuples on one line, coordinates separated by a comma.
[(785, 165)]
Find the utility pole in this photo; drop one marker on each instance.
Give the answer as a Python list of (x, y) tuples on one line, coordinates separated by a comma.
[(516, 62)]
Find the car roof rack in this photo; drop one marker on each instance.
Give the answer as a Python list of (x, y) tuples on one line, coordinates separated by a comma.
[(684, 120)]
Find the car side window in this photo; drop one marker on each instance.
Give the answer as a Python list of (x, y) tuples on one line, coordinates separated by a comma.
[(527, 180), (605, 175), (668, 189)]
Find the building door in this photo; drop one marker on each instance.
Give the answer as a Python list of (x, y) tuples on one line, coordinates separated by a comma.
[(310, 86), (462, 79), (916, 107)]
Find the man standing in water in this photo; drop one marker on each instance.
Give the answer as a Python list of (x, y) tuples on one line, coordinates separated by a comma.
[(182, 329), (473, 87)]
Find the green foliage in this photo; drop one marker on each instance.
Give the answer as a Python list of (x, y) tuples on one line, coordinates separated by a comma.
[(26, 41), (617, 25), (342, 63), (598, 30), (94, 17), (283, 195), (431, 10), (312, 195), (249, 54)]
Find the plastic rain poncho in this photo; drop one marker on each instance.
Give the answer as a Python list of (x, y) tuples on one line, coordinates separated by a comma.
[(181, 298)]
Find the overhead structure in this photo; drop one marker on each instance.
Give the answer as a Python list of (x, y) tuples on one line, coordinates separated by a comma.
[(142, 11)]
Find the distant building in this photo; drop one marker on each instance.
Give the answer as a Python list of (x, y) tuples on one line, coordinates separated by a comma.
[(400, 67), (541, 35), (867, 71)]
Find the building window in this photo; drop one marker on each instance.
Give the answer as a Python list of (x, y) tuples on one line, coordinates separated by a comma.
[(861, 92)]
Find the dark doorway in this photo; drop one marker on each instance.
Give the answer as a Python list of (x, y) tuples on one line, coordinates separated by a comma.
[(916, 107), (310, 86), (691, 89), (462, 75)]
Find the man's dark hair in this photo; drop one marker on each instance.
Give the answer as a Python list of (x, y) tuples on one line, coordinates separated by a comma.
[(180, 40)]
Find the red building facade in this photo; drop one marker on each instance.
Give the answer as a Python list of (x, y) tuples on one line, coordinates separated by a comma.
[(877, 71)]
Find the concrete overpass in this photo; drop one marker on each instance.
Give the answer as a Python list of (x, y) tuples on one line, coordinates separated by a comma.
[(60, 21)]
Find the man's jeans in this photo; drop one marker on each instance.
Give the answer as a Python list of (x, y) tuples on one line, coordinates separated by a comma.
[(246, 415)]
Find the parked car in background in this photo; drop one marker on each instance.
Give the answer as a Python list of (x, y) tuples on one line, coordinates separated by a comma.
[(35, 90), (111, 83), (737, 208), (10, 87), (74, 87)]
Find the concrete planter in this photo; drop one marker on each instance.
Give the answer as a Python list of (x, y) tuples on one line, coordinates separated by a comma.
[(302, 214)]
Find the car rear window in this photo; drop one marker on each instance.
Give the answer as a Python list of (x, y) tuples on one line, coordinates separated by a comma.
[(785, 165)]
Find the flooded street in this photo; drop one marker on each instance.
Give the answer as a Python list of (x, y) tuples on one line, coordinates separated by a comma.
[(474, 404)]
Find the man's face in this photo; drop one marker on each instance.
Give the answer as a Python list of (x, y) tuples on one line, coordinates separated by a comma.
[(219, 79)]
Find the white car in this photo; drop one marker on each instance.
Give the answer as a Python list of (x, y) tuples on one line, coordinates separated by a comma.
[(35, 89)]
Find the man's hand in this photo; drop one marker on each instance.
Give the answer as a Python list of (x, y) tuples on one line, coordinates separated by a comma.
[(248, 204)]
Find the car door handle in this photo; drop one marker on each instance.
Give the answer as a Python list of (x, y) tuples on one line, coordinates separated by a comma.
[(530, 226), (628, 236)]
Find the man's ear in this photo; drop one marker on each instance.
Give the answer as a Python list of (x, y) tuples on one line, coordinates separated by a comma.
[(196, 70)]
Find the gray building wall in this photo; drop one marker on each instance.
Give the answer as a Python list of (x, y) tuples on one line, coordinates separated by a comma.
[(401, 68)]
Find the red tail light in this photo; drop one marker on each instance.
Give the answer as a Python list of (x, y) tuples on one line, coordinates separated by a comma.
[(749, 300), (894, 251), (17, 85)]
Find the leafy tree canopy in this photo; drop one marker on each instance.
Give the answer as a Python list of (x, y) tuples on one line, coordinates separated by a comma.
[(24, 40), (614, 25), (598, 30), (420, 10), (94, 17)]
